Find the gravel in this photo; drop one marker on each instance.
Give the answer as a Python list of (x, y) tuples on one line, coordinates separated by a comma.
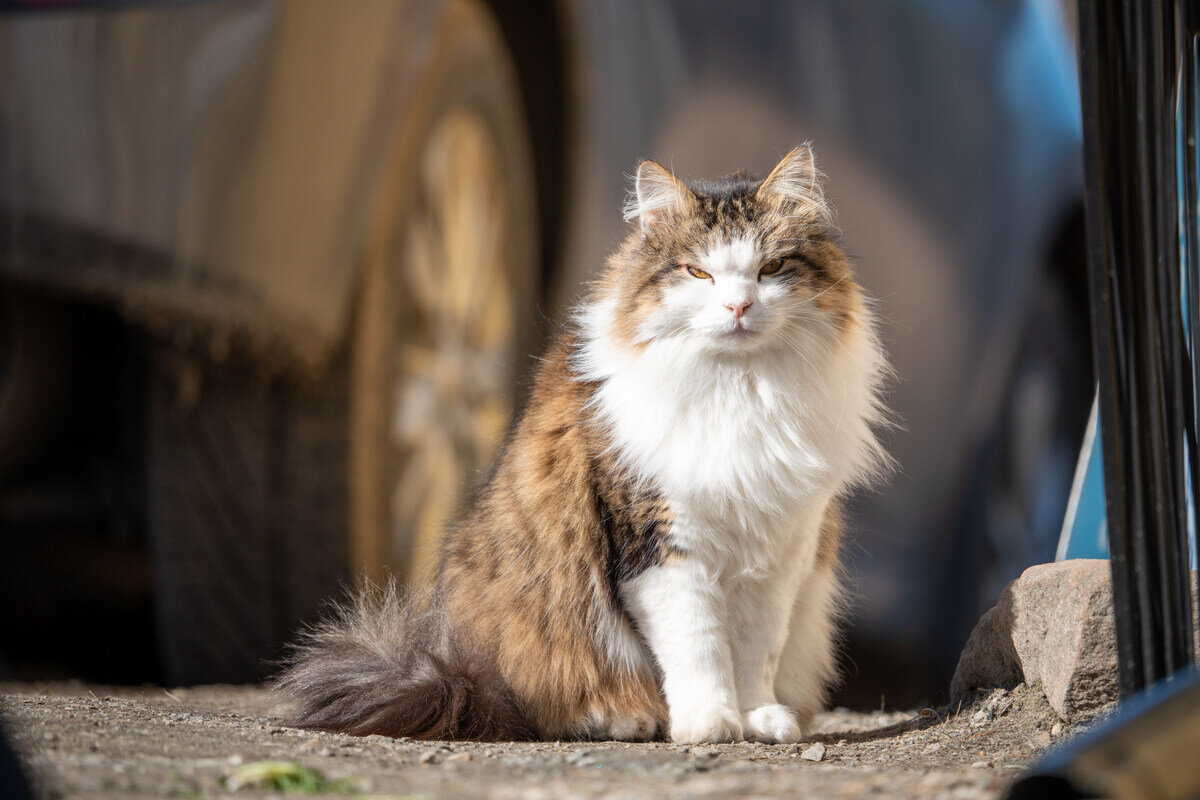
[(81, 741)]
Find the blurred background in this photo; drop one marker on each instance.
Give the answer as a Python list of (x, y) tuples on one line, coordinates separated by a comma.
[(273, 274)]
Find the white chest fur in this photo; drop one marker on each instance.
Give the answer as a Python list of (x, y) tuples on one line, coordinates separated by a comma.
[(740, 444)]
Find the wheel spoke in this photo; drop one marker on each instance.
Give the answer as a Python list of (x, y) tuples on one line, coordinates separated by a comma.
[(463, 185), (454, 361), (424, 250)]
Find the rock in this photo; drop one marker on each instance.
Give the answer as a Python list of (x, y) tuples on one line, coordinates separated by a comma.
[(1053, 625), (814, 752), (464, 756), (1056, 729), (428, 756)]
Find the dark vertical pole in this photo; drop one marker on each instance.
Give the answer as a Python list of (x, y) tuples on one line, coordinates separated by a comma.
[(1132, 55), (1189, 144)]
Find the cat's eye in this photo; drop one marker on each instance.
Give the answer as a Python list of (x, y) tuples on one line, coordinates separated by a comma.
[(696, 272), (771, 267)]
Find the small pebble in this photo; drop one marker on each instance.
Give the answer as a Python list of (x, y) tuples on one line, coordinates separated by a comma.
[(981, 765), (460, 757), (1056, 730), (815, 752), (428, 756), (982, 717)]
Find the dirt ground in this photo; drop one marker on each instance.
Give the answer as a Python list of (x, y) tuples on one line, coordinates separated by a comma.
[(81, 741)]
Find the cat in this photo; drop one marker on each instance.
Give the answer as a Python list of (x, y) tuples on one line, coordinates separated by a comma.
[(657, 552)]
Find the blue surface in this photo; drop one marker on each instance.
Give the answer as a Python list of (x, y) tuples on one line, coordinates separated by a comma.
[(1085, 528), (1085, 534)]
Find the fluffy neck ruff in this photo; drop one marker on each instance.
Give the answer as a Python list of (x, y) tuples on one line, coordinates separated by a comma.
[(746, 435)]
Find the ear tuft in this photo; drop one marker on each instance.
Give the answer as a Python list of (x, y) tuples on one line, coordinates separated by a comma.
[(796, 181), (656, 193)]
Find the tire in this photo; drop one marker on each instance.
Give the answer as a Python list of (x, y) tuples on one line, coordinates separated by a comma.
[(267, 496), (35, 359), (416, 452)]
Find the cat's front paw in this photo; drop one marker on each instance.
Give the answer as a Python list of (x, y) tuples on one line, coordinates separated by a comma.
[(705, 725), (773, 723)]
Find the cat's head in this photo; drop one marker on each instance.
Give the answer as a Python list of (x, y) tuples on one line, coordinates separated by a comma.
[(732, 265)]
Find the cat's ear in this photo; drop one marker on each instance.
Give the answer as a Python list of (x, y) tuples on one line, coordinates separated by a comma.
[(656, 194), (796, 181)]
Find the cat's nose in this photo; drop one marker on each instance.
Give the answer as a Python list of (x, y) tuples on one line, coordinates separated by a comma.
[(739, 308)]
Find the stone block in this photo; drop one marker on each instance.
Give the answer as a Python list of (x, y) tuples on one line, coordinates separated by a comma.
[(1053, 626)]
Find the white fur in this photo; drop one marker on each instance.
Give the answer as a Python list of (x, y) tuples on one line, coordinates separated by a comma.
[(747, 435), (625, 649), (808, 658)]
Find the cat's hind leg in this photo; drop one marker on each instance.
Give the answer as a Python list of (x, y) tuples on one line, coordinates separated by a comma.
[(620, 726)]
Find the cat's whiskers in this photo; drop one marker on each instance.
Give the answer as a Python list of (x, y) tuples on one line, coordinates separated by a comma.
[(823, 291)]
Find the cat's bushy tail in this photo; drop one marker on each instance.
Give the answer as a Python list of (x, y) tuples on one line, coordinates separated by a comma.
[(392, 665)]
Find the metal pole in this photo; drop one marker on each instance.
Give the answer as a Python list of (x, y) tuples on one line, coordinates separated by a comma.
[(1138, 143)]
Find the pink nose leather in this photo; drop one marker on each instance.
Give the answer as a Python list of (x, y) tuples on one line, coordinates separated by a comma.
[(738, 309)]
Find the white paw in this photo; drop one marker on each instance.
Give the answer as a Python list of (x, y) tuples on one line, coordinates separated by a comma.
[(773, 723), (705, 724), (632, 728)]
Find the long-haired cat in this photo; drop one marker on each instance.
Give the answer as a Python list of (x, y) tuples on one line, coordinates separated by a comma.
[(657, 551)]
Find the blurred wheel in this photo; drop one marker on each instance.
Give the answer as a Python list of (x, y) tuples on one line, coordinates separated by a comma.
[(447, 309), (34, 376), (266, 495)]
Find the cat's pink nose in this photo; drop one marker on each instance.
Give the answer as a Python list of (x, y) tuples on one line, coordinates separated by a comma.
[(739, 309)]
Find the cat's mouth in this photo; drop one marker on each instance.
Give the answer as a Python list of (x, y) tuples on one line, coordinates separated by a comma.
[(739, 332)]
